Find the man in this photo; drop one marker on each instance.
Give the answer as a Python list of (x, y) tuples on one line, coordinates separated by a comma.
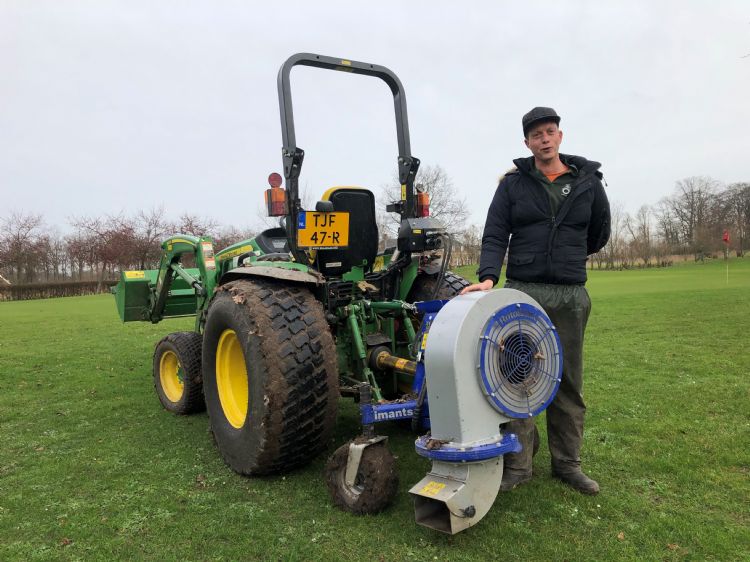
[(550, 212)]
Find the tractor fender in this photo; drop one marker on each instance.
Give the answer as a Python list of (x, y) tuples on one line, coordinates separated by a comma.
[(284, 273)]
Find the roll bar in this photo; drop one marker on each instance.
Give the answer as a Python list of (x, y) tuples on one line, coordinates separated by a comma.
[(293, 156), (343, 65)]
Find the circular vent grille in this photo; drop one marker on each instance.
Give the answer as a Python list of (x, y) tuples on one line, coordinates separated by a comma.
[(520, 360)]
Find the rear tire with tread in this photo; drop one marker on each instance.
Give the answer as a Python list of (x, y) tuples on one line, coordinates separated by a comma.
[(424, 287), (287, 371)]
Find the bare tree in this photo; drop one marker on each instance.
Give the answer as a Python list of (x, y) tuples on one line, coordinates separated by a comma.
[(19, 235), (109, 242), (194, 225), (736, 200), (56, 255), (691, 205), (150, 228), (639, 228), (468, 246), (76, 248), (614, 253), (666, 226), (230, 235)]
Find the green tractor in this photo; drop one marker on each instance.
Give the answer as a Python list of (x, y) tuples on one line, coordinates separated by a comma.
[(292, 319)]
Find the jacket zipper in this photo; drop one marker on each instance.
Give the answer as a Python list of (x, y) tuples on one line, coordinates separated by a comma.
[(554, 224)]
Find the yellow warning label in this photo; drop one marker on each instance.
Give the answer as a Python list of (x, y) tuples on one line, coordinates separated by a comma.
[(424, 341), (135, 275), (235, 252), (432, 488), (403, 192)]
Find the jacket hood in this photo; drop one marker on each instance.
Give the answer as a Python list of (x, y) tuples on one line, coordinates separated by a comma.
[(583, 165)]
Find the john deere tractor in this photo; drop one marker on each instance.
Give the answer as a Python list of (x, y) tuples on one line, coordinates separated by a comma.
[(290, 320)]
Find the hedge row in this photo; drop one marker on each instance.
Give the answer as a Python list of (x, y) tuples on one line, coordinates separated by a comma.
[(53, 290)]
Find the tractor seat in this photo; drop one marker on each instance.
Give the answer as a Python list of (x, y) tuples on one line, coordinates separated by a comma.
[(363, 232), (273, 241)]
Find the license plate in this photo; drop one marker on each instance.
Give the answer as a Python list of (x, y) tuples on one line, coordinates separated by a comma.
[(322, 231)]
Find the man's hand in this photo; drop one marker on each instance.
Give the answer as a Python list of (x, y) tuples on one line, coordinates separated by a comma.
[(485, 285)]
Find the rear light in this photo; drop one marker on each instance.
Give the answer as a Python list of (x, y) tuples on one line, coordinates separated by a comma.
[(275, 197), (276, 202), (423, 204), (274, 180)]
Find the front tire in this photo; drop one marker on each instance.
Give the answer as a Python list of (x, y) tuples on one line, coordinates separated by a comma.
[(271, 382), (177, 373)]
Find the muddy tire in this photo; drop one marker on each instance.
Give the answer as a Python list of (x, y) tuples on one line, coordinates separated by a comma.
[(424, 287), (375, 485), (177, 373), (270, 376)]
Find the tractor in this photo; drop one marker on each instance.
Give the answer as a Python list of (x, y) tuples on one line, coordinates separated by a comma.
[(289, 321)]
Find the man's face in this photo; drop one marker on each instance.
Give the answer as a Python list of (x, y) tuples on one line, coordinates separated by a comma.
[(544, 141)]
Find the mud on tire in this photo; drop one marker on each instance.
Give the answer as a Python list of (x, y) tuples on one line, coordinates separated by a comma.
[(375, 485), (270, 376), (177, 373), (424, 287)]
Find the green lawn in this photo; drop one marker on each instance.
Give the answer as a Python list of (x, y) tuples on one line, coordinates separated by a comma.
[(91, 467)]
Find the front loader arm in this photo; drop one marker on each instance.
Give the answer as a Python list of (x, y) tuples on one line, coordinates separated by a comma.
[(169, 266)]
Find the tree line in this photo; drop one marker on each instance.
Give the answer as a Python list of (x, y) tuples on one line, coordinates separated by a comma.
[(98, 247), (690, 222)]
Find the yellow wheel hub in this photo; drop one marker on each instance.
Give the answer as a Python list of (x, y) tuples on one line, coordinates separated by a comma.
[(231, 378), (169, 376)]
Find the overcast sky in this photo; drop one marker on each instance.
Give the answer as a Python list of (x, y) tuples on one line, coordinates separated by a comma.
[(118, 106)]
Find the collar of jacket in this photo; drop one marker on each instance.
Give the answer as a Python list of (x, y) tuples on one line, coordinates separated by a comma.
[(584, 167)]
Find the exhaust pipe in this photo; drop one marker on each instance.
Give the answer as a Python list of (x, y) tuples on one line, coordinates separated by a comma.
[(489, 357)]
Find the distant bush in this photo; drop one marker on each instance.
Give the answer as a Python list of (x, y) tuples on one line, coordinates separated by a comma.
[(53, 290)]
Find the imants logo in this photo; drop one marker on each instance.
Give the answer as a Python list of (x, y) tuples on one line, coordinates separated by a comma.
[(401, 414)]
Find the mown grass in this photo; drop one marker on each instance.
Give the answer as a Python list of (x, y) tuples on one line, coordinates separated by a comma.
[(91, 467)]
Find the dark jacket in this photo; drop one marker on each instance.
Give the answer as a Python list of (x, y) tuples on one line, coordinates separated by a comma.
[(545, 248)]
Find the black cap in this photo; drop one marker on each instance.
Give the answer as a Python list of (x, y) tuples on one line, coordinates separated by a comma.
[(539, 114)]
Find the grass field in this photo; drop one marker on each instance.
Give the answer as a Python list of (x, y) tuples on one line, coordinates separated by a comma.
[(92, 468)]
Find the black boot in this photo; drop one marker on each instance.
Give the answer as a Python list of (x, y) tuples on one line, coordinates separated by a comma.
[(513, 479), (576, 480)]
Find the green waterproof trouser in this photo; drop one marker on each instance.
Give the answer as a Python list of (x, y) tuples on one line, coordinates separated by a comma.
[(568, 306)]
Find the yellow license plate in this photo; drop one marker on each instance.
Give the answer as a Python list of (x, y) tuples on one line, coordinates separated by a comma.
[(322, 231)]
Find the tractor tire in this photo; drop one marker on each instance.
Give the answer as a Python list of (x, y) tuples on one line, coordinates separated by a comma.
[(270, 376), (375, 485), (177, 373), (535, 442), (424, 287)]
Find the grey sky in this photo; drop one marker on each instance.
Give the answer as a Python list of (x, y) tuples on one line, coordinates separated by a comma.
[(117, 106)]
